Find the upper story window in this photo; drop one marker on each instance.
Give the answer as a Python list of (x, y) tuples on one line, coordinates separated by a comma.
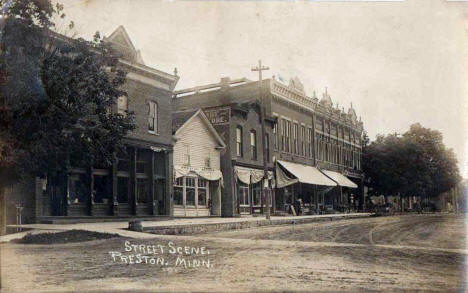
[(267, 147), (253, 144), (239, 141), (275, 136), (186, 155), (295, 135), (288, 136), (153, 117), (303, 135), (208, 162), (283, 134), (122, 105)]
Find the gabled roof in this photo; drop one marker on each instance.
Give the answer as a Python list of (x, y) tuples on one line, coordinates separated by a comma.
[(182, 118), (121, 37), (179, 118), (122, 43)]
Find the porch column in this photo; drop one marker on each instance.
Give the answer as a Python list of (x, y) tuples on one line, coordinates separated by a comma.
[(362, 201), (251, 196), (273, 198), (310, 203), (38, 197), (168, 200), (64, 186), (293, 195), (341, 197), (89, 175), (317, 210), (3, 211), (133, 181), (152, 202), (113, 173)]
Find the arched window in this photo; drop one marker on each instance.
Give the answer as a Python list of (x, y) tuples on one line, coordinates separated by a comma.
[(153, 117), (122, 105)]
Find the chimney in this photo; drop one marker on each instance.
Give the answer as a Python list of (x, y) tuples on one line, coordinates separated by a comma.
[(225, 82)]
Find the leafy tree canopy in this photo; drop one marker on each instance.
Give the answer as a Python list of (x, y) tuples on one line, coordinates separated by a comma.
[(57, 103), (413, 163)]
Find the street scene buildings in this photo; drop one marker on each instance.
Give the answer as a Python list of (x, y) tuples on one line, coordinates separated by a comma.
[(139, 182), (311, 146), (161, 157), (313, 152)]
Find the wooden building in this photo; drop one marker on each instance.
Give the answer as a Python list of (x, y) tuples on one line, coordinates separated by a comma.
[(197, 173)]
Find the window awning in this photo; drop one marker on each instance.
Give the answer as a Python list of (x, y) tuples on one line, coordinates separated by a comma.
[(249, 175), (340, 179), (211, 175), (303, 173)]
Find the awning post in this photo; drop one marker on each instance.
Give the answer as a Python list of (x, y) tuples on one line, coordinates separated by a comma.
[(316, 200)]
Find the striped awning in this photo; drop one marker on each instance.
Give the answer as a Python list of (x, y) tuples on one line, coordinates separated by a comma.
[(303, 174), (340, 179)]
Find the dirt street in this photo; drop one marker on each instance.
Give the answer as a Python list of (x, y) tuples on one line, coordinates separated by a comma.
[(401, 253)]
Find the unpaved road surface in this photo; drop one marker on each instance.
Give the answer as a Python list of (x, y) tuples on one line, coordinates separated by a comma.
[(419, 253)]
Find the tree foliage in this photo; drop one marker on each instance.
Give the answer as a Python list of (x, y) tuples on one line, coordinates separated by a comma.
[(414, 163), (57, 95)]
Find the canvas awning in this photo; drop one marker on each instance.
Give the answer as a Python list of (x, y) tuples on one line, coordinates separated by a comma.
[(249, 175), (302, 173), (340, 179), (211, 175)]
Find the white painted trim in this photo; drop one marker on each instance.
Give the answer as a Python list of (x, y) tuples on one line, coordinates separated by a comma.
[(150, 70), (207, 123), (146, 80)]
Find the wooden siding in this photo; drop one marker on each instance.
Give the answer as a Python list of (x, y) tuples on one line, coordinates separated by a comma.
[(201, 143), (191, 212)]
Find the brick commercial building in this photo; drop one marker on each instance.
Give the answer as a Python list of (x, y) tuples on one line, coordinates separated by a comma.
[(313, 149), (139, 182)]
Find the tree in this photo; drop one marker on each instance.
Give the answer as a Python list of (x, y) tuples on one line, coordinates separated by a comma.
[(414, 163), (57, 96)]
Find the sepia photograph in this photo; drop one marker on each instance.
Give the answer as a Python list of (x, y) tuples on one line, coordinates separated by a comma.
[(233, 146)]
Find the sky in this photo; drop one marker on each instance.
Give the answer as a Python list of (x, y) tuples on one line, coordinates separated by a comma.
[(398, 63)]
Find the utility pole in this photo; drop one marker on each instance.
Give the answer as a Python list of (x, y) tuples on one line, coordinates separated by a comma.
[(265, 193)]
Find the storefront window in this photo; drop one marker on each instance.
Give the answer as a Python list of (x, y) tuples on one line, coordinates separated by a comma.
[(243, 194), (190, 191), (179, 191), (194, 190), (123, 162), (142, 190), (202, 192), (102, 188), (77, 188), (122, 189), (257, 193)]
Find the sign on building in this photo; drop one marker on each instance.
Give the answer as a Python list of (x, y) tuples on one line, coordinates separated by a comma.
[(219, 115)]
